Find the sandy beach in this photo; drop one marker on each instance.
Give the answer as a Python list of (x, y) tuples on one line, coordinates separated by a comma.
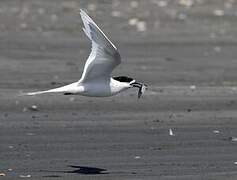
[(184, 50)]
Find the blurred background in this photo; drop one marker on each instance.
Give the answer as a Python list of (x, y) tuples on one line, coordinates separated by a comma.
[(185, 50), (161, 41)]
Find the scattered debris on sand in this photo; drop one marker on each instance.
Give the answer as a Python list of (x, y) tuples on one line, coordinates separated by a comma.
[(217, 49), (34, 108), (31, 108), (186, 3), (216, 131), (171, 132), (137, 157), (189, 110), (25, 176), (218, 12), (234, 139), (141, 26), (72, 99), (30, 134), (17, 102), (193, 87), (2, 174), (134, 4)]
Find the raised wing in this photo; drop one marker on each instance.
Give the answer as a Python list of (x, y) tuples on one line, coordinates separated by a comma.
[(104, 56)]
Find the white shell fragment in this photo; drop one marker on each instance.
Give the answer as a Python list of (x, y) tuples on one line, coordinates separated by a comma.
[(25, 176), (218, 12), (171, 132), (141, 26), (34, 108), (234, 139), (216, 131), (193, 87), (132, 21)]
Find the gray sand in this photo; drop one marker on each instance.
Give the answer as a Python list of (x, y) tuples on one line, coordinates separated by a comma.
[(72, 137)]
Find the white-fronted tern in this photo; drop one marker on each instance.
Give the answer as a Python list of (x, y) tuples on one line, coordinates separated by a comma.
[(96, 80)]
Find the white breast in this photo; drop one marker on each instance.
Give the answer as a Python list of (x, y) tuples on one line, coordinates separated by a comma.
[(103, 88)]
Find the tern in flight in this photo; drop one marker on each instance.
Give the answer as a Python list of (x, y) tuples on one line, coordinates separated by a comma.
[(96, 80)]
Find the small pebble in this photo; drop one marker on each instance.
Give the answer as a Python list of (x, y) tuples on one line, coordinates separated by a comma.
[(171, 132), (228, 5), (189, 110), (116, 14), (34, 108), (141, 26), (134, 4), (24, 109), (71, 99), (54, 17), (234, 88), (41, 11), (192, 87), (218, 12), (234, 139), (132, 21), (69, 5), (182, 16), (30, 134), (186, 3), (25, 176), (2, 174), (92, 7), (23, 25), (213, 35), (217, 48), (162, 3)]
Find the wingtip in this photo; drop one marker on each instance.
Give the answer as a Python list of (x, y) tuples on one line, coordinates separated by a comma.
[(82, 10), (83, 13)]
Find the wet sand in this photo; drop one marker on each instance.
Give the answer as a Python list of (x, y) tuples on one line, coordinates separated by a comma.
[(189, 65)]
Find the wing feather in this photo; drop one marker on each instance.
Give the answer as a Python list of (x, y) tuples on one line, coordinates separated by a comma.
[(104, 56)]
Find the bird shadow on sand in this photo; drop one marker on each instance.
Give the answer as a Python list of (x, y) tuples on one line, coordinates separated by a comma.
[(87, 170), (80, 170)]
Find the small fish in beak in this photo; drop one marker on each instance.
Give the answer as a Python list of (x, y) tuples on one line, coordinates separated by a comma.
[(141, 88)]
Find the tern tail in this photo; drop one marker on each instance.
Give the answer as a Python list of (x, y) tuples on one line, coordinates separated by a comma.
[(35, 93), (64, 89), (40, 92)]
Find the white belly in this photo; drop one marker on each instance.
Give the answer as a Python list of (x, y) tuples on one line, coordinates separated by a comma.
[(101, 89)]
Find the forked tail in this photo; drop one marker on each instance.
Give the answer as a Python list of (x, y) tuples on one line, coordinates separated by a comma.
[(65, 89), (39, 92)]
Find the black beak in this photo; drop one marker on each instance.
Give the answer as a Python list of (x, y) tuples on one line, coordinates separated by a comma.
[(141, 87)]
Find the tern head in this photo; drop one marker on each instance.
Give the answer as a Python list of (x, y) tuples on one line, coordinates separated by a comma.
[(131, 83)]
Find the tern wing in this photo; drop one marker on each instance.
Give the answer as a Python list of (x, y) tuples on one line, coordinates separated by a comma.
[(104, 56)]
